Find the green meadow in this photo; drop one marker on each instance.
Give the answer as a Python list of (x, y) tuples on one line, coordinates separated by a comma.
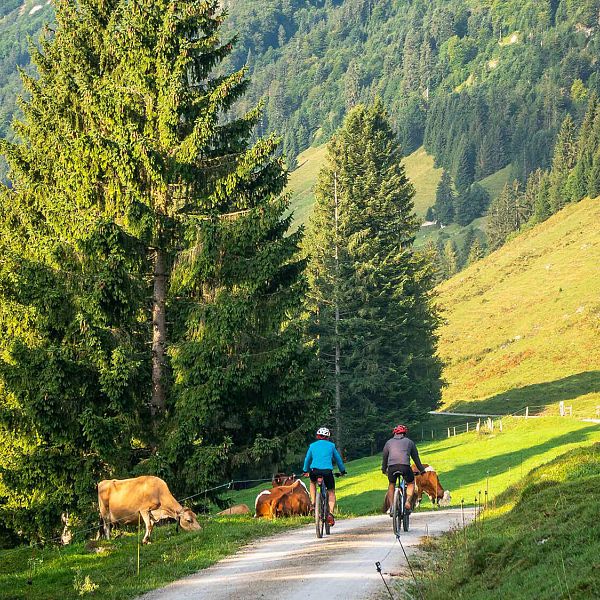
[(541, 540), (467, 463)]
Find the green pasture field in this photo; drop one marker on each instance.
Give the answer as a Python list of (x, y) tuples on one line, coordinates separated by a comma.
[(541, 541), (108, 569), (522, 325), (464, 462)]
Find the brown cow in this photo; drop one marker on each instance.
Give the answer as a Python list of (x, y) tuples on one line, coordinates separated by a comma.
[(429, 484), (121, 501), (236, 509), (296, 501), (270, 504)]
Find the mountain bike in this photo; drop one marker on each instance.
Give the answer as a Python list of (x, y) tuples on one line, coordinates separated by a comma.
[(322, 507), (400, 516)]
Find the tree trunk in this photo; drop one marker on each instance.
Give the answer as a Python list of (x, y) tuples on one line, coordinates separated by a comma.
[(159, 332)]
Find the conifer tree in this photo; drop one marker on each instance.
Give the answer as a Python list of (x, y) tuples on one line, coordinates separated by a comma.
[(451, 258), (136, 203), (363, 266), (504, 215), (565, 155), (444, 200), (465, 167), (593, 190), (476, 252), (471, 204)]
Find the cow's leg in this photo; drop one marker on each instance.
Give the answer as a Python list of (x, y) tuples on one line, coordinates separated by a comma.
[(147, 517), (106, 527)]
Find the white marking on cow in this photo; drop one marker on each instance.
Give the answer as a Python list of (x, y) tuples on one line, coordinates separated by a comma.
[(258, 497), (429, 469), (303, 485)]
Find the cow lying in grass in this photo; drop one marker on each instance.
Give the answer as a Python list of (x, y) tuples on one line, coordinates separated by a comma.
[(428, 484), (125, 501), (283, 501)]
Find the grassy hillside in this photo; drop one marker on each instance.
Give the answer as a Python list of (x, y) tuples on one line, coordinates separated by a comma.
[(419, 168), (542, 541), (523, 324), (464, 462), (302, 182), (495, 183)]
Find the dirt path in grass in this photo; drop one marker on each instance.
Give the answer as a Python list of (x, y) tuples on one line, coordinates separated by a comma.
[(296, 566)]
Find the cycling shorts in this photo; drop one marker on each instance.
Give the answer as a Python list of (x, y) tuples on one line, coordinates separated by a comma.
[(394, 470), (327, 475)]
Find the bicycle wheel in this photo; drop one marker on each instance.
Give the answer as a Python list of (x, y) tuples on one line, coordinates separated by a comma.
[(396, 511), (326, 512), (319, 513), (405, 515)]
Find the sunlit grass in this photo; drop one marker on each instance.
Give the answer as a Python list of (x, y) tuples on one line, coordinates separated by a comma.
[(542, 541), (522, 325)]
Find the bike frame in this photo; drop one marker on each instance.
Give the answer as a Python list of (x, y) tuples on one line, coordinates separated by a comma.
[(400, 518), (321, 508)]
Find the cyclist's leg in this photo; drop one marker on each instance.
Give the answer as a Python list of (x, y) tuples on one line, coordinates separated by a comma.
[(392, 469), (409, 478), (312, 487), (410, 490), (331, 497)]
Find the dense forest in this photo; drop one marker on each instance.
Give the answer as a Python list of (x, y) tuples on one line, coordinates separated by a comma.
[(483, 84)]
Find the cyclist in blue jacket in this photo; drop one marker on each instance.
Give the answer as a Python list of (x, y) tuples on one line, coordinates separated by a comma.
[(319, 462)]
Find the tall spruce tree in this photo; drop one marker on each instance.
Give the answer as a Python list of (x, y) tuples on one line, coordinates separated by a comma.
[(370, 293), (444, 200), (504, 215), (565, 156), (136, 203)]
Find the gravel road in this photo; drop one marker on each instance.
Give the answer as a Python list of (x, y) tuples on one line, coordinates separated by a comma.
[(295, 565)]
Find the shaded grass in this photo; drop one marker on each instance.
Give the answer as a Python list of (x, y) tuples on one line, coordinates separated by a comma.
[(522, 325), (542, 541), (47, 574)]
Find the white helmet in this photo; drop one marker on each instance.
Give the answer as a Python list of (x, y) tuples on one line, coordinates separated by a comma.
[(324, 432)]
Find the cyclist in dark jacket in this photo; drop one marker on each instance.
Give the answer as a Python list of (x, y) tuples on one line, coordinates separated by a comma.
[(397, 453)]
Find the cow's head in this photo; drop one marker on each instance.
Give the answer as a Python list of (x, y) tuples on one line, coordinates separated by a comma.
[(188, 520), (280, 479)]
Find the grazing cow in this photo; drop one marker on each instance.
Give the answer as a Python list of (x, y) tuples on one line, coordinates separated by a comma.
[(270, 503), (429, 484), (121, 501), (236, 509)]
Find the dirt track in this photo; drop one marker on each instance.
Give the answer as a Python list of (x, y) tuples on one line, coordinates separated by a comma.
[(296, 566)]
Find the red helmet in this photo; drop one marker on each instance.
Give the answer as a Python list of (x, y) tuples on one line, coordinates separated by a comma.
[(400, 429)]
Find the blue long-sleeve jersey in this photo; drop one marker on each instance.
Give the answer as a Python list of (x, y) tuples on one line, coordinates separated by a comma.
[(321, 455)]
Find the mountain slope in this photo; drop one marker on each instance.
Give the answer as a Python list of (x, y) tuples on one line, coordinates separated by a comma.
[(419, 169), (523, 324)]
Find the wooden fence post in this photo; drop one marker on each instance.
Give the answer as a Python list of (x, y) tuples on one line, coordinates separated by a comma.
[(527, 412), (448, 431)]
